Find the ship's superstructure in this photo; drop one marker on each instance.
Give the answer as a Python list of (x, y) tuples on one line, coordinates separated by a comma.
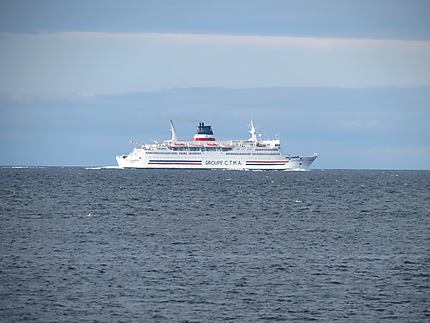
[(205, 152)]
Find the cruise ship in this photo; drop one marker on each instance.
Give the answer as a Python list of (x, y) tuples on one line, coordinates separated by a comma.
[(205, 152)]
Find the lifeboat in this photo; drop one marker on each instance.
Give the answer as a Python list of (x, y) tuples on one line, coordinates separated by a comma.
[(211, 144), (194, 144), (178, 144)]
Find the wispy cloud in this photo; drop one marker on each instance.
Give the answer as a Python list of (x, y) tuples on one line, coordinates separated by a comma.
[(309, 42), (97, 62)]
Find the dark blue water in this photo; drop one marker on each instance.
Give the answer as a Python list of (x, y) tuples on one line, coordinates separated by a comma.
[(113, 245)]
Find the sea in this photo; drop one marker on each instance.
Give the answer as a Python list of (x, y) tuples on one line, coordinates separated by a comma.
[(114, 245)]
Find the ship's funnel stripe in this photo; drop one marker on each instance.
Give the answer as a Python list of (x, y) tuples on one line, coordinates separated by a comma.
[(205, 132), (203, 139)]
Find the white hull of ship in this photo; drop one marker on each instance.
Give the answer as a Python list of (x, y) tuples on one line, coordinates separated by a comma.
[(212, 160)]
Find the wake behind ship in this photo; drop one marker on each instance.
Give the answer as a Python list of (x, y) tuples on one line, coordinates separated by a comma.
[(205, 152)]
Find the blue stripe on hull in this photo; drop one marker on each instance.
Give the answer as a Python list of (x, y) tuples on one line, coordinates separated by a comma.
[(175, 162)]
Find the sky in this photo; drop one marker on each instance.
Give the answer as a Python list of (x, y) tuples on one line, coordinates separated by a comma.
[(349, 80)]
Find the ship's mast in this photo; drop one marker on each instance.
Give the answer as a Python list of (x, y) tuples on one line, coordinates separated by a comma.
[(253, 132), (172, 129)]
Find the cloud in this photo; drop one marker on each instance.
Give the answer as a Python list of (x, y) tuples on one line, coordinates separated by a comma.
[(217, 39), (108, 63)]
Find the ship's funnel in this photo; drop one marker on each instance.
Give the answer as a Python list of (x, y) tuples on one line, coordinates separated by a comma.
[(204, 133)]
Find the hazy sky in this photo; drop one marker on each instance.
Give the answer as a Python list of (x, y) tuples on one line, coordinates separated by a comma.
[(347, 79)]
